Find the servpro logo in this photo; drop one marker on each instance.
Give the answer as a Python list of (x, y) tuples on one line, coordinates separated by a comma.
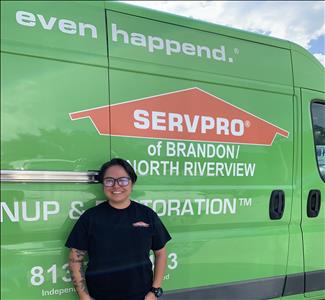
[(191, 114)]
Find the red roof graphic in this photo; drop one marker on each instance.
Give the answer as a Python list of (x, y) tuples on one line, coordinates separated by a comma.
[(191, 114)]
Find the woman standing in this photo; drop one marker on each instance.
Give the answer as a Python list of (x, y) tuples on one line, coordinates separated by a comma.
[(117, 236)]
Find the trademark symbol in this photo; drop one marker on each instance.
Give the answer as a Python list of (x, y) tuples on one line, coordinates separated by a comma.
[(236, 50), (245, 202), (247, 124)]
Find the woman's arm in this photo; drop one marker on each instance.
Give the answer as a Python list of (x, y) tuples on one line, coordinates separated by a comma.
[(159, 270), (76, 258), (160, 266)]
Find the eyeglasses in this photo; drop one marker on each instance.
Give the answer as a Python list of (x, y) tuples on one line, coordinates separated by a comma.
[(110, 181)]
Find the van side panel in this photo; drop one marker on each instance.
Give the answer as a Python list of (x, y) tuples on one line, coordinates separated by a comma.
[(313, 191), (196, 50), (46, 74), (206, 235), (37, 131), (295, 266), (215, 121), (59, 30), (35, 221), (308, 72)]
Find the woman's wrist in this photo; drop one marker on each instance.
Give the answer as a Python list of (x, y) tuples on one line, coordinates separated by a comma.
[(86, 298)]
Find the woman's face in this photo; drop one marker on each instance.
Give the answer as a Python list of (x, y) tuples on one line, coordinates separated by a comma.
[(117, 195)]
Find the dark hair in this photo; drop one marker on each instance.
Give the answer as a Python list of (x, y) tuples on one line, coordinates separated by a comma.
[(117, 162)]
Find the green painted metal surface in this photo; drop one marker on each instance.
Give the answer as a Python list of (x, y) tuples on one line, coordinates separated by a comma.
[(312, 228), (69, 71)]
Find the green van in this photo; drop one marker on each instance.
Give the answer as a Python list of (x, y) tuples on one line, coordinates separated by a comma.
[(225, 128)]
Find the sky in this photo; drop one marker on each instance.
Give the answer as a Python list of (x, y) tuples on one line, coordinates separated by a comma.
[(302, 22)]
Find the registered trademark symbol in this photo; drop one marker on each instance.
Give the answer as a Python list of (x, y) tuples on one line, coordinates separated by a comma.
[(247, 124), (236, 50)]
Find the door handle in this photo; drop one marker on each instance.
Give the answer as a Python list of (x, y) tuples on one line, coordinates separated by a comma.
[(276, 207), (313, 203)]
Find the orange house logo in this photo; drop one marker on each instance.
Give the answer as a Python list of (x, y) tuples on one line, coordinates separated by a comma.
[(191, 114)]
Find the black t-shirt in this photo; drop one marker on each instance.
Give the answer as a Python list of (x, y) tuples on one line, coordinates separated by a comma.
[(118, 242)]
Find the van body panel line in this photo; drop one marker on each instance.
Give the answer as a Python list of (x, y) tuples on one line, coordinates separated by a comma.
[(265, 288), (315, 281)]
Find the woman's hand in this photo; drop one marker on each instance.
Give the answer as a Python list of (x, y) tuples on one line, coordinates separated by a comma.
[(150, 296), (86, 298)]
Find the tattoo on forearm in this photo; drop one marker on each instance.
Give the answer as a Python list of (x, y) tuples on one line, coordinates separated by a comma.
[(79, 256), (73, 260), (80, 253), (80, 282)]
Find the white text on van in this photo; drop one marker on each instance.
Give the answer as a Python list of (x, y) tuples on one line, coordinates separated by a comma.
[(158, 120), (25, 18), (169, 46)]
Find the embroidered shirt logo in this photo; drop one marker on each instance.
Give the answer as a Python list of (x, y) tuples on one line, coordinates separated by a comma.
[(140, 224)]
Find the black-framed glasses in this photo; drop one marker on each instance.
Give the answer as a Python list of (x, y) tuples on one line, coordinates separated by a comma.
[(121, 181)]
